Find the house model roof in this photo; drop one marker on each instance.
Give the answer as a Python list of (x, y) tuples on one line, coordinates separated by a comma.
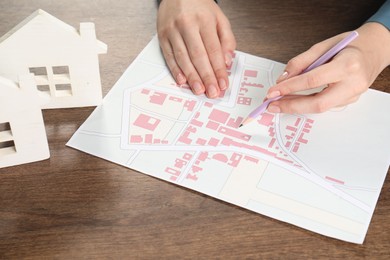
[(40, 17)]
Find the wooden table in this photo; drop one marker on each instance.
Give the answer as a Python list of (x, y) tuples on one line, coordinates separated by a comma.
[(75, 205)]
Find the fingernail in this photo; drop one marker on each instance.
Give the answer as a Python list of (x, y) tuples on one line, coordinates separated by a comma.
[(180, 79), (228, 59), (273, 94), (283, 76), (212, 91), (197, 88), (222, 84), (273, 109)]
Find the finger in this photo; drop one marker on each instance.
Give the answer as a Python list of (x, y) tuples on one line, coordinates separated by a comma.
[(216, 57), (199, 58), (184, 62), (226, 38), (298, 64), (326, 74), (171, 62), (334, 96)]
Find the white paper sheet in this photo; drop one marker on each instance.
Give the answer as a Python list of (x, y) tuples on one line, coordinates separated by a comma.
[(321, 172)]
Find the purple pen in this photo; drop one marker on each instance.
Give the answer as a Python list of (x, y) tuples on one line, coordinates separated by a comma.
[(321, 60)]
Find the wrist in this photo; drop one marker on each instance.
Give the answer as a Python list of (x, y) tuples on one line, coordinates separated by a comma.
[(378, 34)]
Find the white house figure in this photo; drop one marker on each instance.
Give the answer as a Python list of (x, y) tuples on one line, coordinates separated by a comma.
[(22, 130), (64, 61)]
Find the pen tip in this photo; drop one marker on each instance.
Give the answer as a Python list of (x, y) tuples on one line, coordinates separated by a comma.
[(240, 125)]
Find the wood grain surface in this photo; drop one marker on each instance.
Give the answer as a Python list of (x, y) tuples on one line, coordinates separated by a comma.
[(76, 206)]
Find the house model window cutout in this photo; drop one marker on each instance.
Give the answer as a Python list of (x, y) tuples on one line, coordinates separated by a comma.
[(22, 130), (53, 81), (64, 60), (7, 145)]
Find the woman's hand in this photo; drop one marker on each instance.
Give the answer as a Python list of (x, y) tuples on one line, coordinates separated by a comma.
[(350, 73), (197, 43)]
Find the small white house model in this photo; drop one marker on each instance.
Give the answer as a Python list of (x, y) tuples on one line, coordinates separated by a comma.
[(64, 61), (22, 130)]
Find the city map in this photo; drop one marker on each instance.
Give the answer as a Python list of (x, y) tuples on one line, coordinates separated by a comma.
[(322, 172)]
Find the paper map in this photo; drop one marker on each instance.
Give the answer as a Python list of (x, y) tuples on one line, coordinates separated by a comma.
[(322, 172)]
